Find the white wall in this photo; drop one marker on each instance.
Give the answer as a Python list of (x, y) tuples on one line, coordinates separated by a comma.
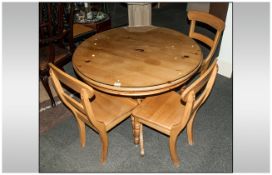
[(225, 54)]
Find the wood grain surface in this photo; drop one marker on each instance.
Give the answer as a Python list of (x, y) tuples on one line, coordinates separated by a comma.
[(167, 114), (137, 60)]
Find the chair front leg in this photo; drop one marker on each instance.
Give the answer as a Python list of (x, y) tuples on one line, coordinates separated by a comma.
[(133, 125), (141, 140), (82, 131), (173, 150), (105, 142)]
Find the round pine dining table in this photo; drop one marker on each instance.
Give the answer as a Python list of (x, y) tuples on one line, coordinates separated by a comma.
[(137, 61)]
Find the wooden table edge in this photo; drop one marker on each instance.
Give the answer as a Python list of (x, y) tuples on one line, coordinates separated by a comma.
[(137, 91)]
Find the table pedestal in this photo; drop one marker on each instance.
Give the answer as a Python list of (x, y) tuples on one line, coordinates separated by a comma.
[(136, 126)]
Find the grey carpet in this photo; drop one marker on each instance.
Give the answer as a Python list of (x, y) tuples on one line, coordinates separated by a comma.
[(212, 152)]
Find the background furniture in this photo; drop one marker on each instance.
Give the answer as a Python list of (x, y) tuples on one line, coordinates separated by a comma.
[(87, 25), (137, 61), (166, 113), (100, 111), (83, 31), (55, 38), (216, 23)]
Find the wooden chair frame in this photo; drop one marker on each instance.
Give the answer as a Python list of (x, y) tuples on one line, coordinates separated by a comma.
[(83, 110), (192, 104), (212, 21)]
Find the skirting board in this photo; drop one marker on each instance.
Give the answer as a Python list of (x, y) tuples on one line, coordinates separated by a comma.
[(225, 68)]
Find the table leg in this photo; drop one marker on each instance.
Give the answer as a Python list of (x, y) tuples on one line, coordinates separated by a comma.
[(139, 100), (136, 126), (136, 131)]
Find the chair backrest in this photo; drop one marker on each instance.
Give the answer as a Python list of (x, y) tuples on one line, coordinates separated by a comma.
[(56, 23), (212, 21), (83, 107), (201, 88)]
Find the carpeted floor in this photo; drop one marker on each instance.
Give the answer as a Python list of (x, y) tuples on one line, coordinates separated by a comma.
[(212, 152)]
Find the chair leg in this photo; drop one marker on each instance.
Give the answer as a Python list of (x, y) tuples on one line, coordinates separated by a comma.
[(82, 132), (48, 90), (141, 140), (173, 151), (105, 141), (189, 129), (132, 124)]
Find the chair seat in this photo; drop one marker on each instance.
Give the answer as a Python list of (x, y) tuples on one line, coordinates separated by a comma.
[(60, 55), (160, 112), (111, 109)]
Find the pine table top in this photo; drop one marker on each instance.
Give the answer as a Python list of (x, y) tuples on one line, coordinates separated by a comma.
[(137, 61)]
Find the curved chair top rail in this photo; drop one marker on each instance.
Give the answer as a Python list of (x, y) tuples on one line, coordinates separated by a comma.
[(70, 81), (207, 18)]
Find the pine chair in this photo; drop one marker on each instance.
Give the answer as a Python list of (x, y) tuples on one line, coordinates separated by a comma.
[(171, 112), (212, 21), (100, 111)]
